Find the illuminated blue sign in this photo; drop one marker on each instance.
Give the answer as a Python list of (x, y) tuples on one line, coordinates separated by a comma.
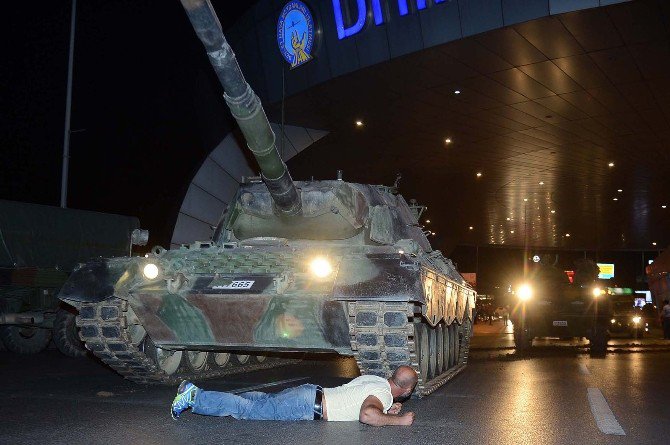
[(361, 13), (295, 33)]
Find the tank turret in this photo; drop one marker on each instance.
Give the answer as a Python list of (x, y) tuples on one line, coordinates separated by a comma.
[(245, 107)]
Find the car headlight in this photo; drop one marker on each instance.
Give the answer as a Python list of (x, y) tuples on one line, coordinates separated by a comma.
[(636, 319), (525, 292), (320, 267), (612, 321), (597, 292), (150, 271)]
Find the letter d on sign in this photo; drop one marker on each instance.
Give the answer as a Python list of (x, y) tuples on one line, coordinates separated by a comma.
[(343, 32)]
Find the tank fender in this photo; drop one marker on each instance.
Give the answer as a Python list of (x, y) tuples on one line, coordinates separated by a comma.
[(379, 277), (91, 282)]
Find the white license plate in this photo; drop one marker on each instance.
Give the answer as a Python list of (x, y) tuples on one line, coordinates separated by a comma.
[(237, 284), (560, 323)]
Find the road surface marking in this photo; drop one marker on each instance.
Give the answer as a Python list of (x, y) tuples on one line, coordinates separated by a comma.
[(602, 413), (584, 369)]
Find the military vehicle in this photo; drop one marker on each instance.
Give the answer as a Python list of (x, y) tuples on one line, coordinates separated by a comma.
[(626, 317), (550, 306), (321, 266), (39, 246)]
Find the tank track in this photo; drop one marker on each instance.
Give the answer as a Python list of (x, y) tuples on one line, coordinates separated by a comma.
[(382, 338), (104, 329)]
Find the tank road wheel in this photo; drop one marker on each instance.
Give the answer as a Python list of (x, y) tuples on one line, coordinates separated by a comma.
[(455, 340), (221, 359), (439, 334), (168, 361), (25, 340), (449, 345), (446, 331), (242, 359), (66, 334), (260, 358), (458, 335), (422, 349), (196, 360), (433, 370)]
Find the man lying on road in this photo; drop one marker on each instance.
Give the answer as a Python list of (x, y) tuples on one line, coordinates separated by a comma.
[(368, 399)]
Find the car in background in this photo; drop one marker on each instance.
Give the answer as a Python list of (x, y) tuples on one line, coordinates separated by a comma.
[(627, 319)]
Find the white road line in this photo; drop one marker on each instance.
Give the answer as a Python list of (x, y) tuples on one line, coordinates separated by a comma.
[(583, 369), (602, 413)]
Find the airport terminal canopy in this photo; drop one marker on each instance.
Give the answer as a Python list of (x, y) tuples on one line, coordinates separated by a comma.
[(527, 122)]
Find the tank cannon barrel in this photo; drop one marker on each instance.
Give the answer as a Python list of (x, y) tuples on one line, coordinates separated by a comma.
[(245, 106)]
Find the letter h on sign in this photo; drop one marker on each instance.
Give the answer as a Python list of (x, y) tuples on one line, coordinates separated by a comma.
[(339, 11)]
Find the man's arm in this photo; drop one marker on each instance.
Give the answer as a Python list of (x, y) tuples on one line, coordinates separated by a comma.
[(372, 413)]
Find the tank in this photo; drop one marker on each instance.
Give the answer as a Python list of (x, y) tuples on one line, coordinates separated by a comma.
[(39, 246), (550, 306), (293, 266)]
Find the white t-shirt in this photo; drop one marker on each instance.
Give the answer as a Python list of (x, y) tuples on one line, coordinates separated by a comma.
[(344, 402)]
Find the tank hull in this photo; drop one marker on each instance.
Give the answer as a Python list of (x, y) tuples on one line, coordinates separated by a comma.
[(283, 309), (374, 306)]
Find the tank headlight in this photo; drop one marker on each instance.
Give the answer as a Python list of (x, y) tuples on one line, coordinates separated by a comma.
[(525, 292), (636, 319), (320, 267), (597, 292), (150, 271)]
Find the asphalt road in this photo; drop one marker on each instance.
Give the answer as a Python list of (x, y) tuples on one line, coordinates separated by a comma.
[(500, 398)]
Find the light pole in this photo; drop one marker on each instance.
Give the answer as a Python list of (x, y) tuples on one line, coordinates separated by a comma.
[(68, 110)]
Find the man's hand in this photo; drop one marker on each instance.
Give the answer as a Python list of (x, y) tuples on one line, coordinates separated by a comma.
[(395, 408), (406, 419), (372, 414)]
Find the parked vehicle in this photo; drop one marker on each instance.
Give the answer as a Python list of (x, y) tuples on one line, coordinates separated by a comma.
[(39, 247)]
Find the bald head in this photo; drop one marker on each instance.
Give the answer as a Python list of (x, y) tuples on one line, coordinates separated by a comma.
[(405, 377)]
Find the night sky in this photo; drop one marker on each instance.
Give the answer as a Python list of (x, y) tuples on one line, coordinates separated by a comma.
[(146, 109)]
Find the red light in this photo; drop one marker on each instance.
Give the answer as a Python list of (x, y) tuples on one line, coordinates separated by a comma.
[(571, 275)]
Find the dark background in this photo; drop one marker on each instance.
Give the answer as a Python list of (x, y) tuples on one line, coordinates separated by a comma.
[(146, 109)]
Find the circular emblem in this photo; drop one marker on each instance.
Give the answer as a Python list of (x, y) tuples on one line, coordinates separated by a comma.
[(536, 258), (295, 33)]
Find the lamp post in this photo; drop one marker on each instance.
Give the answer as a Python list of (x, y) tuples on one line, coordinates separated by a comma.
[(68, 110)]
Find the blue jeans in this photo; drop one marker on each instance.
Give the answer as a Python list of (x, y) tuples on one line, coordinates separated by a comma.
[(290, 404)]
